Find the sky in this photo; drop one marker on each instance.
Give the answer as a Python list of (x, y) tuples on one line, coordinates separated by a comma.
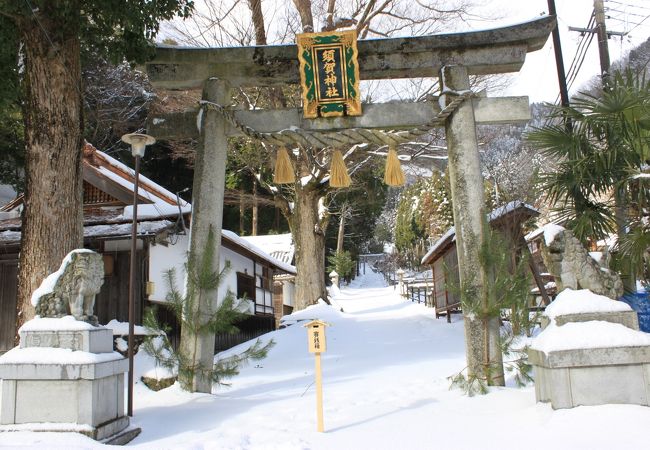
[(538, 77)]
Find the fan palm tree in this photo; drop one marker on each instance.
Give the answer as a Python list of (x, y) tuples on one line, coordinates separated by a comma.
[(600, 183)]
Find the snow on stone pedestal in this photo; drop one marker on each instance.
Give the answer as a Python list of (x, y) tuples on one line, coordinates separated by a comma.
[(584, 306), (64, 376), (590, 353)]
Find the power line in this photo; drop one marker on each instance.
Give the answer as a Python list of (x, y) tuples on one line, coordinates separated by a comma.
[(581, 52)]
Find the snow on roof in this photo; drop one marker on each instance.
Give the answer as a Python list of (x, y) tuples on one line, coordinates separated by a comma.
[(508, 208), (257, 251), (124, 175), (446, 238), (497, 213), (153, 211), (571, 301), (160, 204), (124, 229), (280, 246), (102, 230)]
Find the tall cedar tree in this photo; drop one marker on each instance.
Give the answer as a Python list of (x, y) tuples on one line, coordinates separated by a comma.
[(52, 33)]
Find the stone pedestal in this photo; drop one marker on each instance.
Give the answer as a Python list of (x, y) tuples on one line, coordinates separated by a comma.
[(592, 376), (69, 379)]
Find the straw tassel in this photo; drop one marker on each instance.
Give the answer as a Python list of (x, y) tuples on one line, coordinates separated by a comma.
[(393, 175), (283, 173), (339, 177)]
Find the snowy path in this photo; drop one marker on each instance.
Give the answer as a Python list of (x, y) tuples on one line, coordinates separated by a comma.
[(385, 387)]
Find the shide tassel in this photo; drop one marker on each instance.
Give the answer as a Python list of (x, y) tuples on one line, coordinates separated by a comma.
[(393, 175), (339, 177), (283, 173)]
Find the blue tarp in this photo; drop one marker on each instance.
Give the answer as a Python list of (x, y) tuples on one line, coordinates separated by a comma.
[(640, 302)]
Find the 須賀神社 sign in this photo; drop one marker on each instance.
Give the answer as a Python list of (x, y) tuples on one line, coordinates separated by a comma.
[(329, 74)]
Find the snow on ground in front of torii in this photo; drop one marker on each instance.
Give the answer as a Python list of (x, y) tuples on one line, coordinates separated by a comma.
[(385, 387)]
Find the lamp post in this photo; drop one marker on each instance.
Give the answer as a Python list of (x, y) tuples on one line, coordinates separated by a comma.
[(138, 143)]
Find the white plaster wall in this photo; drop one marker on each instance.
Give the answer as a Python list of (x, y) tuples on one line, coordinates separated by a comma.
[(238, 263), (162, 259), (288, 292)]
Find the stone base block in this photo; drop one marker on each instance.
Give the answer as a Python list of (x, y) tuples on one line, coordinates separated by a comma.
[(82, 401), (123, 438), (114, 432), (587, 377), (97, 340), (628, 318), (109, 429)]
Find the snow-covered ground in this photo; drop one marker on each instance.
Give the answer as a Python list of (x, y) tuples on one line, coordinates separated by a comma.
[(385, 387)]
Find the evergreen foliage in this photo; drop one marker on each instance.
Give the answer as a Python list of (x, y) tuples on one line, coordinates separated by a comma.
[(342, 263), (435, 212), (407, 223), (507, 296), (201, 281), (600, 184)]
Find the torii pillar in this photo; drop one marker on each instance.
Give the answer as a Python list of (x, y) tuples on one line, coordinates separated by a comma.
[(469, 217), (207, 204)]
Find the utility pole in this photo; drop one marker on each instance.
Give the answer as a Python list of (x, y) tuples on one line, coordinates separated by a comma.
[(603, 35), (603, 48), (559, 61)]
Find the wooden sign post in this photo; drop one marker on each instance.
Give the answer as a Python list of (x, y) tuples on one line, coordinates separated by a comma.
[(317, 345)]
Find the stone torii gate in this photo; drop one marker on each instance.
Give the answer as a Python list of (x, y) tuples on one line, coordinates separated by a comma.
[(451, 57)]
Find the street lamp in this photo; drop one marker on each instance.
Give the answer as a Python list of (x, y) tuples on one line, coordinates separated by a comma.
[(138, 143)]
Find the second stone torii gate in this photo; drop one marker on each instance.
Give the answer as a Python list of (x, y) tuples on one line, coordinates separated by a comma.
[(451, 57)]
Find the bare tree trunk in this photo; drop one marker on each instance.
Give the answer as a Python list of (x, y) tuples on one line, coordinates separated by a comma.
[(306, 18), (52, 220), (258, 21), (242, 213), (308, 231), (255, 209), (345, 211), (330, 14), (339, 238)]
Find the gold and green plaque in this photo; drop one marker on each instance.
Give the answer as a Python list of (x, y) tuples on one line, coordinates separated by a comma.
[(329, 74)]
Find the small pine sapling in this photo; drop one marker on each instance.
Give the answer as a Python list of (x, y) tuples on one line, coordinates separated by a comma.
[(201, 279), (508, 294)]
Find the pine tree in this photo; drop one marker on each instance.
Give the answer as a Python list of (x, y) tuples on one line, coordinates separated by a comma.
[(200, 280), (507, 293)]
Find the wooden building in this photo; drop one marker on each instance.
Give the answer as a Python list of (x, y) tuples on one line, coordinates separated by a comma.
[(443, 257), (162, 243)]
